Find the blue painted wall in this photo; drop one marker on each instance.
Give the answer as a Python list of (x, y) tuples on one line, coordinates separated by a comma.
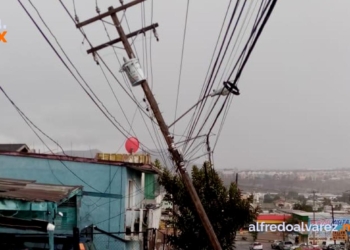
[(107, 213)]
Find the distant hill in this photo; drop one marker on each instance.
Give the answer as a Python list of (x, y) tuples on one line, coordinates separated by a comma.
[(81, 153)]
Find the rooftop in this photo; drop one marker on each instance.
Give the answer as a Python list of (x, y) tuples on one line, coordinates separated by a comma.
[(28, 190), (14, 147), (147, 168), (318, 215)]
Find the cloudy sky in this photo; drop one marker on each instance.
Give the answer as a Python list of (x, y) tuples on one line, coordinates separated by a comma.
[(294, 107)]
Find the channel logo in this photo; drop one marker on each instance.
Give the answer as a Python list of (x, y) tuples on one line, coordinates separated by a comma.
[(3, 33)]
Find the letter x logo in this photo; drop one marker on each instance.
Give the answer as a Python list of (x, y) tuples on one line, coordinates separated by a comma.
[(2, 37)]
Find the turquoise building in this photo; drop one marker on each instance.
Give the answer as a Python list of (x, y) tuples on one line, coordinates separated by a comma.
[(118, 197)]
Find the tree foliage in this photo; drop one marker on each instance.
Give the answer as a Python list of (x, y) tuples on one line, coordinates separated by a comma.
[(327, 202), (303, 207), (344, 198), (338, 207), (268, 198), (226, 209), (292, 195)]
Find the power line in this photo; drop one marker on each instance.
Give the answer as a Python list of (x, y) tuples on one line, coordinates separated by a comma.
[(85, 36), (181, 63), (221, 79), (238, 74), (202, 105), (104, 63), (28, 122), (213, 74), (229, 105), (272, 4), (150, 49), (211, 61), (62, 58), (47, 40)]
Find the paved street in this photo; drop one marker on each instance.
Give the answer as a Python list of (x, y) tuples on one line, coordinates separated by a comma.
[(244, 245), (263, 238)]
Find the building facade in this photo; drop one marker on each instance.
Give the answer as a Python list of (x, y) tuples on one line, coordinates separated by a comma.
[(46, 211), (118, 197)]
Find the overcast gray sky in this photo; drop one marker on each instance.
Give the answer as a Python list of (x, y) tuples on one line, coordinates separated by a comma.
[(293, 111)]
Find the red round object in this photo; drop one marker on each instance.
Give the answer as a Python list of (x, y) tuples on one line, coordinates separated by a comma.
[(132, 145)]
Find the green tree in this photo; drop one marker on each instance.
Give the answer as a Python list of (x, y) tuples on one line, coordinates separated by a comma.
[(344, 198), (338, 207), (301, 198), (268, 198), (302, 207), (292, 195), (276, 197), (327, 202), (225, 207)]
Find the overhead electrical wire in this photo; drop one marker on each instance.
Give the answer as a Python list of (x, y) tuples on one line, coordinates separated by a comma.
[(144, 41), (150, 48), (229, 105), (85, 36), (102, 60), (65, 64), (125, 134), (206, 89), (159, 141), (202, 95), (211, 151), (242, 64), (235, 47), (272, 4), (146, 66), (217, 99), (29, 123), (121, 108), (98, 11), (140, 109), (244, 60), (181, 62), (213, 74)]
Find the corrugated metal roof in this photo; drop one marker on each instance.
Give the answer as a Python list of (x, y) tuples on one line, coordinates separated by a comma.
[(31, 191), (148, 168)]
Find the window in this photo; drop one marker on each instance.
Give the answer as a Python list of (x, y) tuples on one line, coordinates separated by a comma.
[(131, 194), (150, 186)]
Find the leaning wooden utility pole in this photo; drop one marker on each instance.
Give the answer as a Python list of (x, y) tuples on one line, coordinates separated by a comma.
[(176, 155)]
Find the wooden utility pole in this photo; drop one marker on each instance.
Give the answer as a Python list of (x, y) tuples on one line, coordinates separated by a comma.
[(176, 155)]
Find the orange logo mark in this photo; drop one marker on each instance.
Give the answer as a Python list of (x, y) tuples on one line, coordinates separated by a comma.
[(2, 37)]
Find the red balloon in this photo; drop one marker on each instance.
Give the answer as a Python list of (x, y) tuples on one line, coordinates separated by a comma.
[(132, 145)]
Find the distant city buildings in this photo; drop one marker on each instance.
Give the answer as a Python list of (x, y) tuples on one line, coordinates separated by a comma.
[(321, 175)]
